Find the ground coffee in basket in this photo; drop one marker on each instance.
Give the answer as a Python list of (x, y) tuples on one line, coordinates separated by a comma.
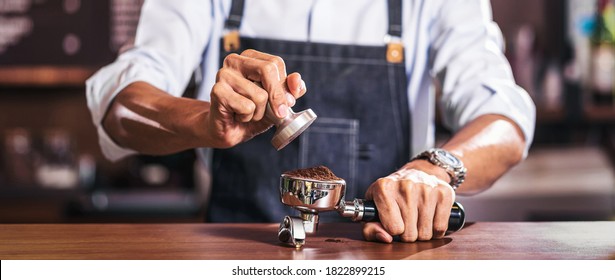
[(321, 173)]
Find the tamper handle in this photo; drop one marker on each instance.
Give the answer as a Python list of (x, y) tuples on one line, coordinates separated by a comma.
[(455, 221)]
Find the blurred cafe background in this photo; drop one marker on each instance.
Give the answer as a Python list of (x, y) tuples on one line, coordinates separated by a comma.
[(51, 169)]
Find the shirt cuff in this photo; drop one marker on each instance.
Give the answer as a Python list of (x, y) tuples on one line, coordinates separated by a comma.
[(519, 108), (109, 148), (505, 99)]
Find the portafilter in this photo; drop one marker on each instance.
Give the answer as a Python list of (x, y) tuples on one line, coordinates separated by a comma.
[(311, 197)]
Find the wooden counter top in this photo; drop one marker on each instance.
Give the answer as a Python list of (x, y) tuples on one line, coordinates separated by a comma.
[(503, 241)]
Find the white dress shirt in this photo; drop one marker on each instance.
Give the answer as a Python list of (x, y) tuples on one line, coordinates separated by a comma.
[(453, 40)]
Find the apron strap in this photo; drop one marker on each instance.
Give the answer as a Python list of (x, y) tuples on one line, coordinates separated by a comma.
[(234, 19), (395, 22), (231, 26), (395, 47)]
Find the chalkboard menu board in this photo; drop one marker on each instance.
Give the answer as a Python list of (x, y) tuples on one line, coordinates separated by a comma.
[(60, 33)]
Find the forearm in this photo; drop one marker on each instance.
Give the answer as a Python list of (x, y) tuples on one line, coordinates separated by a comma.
[(150, 121), (488, 146)]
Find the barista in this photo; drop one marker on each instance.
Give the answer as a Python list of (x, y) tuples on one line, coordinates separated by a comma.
[(368, 66)]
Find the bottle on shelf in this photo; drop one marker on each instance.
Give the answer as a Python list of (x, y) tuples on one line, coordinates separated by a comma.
[(57, 167), (602, 69), (18, 157)]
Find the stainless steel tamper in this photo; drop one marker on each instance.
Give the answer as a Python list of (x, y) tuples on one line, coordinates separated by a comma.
[(289, 127), (310, 197)]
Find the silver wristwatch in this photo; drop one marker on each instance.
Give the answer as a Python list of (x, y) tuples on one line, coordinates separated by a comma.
[(450, 163)]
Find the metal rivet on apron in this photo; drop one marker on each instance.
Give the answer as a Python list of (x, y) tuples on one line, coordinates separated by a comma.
[(231, 41), (395, 52)]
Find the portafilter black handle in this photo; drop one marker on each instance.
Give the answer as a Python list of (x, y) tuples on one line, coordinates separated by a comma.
[(455, 221)]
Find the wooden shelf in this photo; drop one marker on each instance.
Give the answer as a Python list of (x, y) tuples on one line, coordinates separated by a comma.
[(45, 75), (550, 115), (599, 113), (44, 205), (590, 113)]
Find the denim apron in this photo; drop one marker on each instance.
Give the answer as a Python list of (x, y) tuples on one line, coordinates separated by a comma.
[(361, 133)]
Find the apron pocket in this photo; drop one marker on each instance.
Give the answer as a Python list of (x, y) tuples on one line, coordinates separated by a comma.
[(332, 142)]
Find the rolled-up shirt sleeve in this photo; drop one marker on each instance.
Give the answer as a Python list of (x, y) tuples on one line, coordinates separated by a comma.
[(169, 43), (476, 78)]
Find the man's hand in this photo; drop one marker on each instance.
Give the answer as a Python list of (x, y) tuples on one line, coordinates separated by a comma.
[(238, 104), (148, 120), (411, 204)]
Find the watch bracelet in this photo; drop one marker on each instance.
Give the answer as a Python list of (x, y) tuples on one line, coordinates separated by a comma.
[(455, 180)]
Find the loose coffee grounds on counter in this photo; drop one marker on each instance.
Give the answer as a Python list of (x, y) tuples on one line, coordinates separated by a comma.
[(320, 172)]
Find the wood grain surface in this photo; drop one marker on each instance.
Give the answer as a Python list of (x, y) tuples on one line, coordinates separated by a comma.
[(502, 241)]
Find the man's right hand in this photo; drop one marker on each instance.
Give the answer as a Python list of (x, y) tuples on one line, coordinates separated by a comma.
[(149, 120), (238, 104)]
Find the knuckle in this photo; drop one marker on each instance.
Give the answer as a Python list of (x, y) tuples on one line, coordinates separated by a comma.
[(395, 228), (425, 233), (442, 192), (406, 188), (223, 74), (269, 68), (380, 185), (227, 142), (229, 59), (278, 61), (425, 236), (248, 107), (445, 190), (383, 182), (248, 52), (407, 183), (425, 193), (409, 236), (446, 194), (217, 90), (260, 97)]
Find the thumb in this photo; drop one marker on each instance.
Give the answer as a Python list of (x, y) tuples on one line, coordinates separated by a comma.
[(374, 231)]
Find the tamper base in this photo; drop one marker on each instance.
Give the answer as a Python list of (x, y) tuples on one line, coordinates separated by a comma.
[(288, 131)]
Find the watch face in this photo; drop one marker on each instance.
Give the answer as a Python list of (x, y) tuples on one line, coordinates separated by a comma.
[(448, 159)]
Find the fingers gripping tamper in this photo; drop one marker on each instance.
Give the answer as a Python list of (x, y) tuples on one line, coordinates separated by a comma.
[(323, 191)]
